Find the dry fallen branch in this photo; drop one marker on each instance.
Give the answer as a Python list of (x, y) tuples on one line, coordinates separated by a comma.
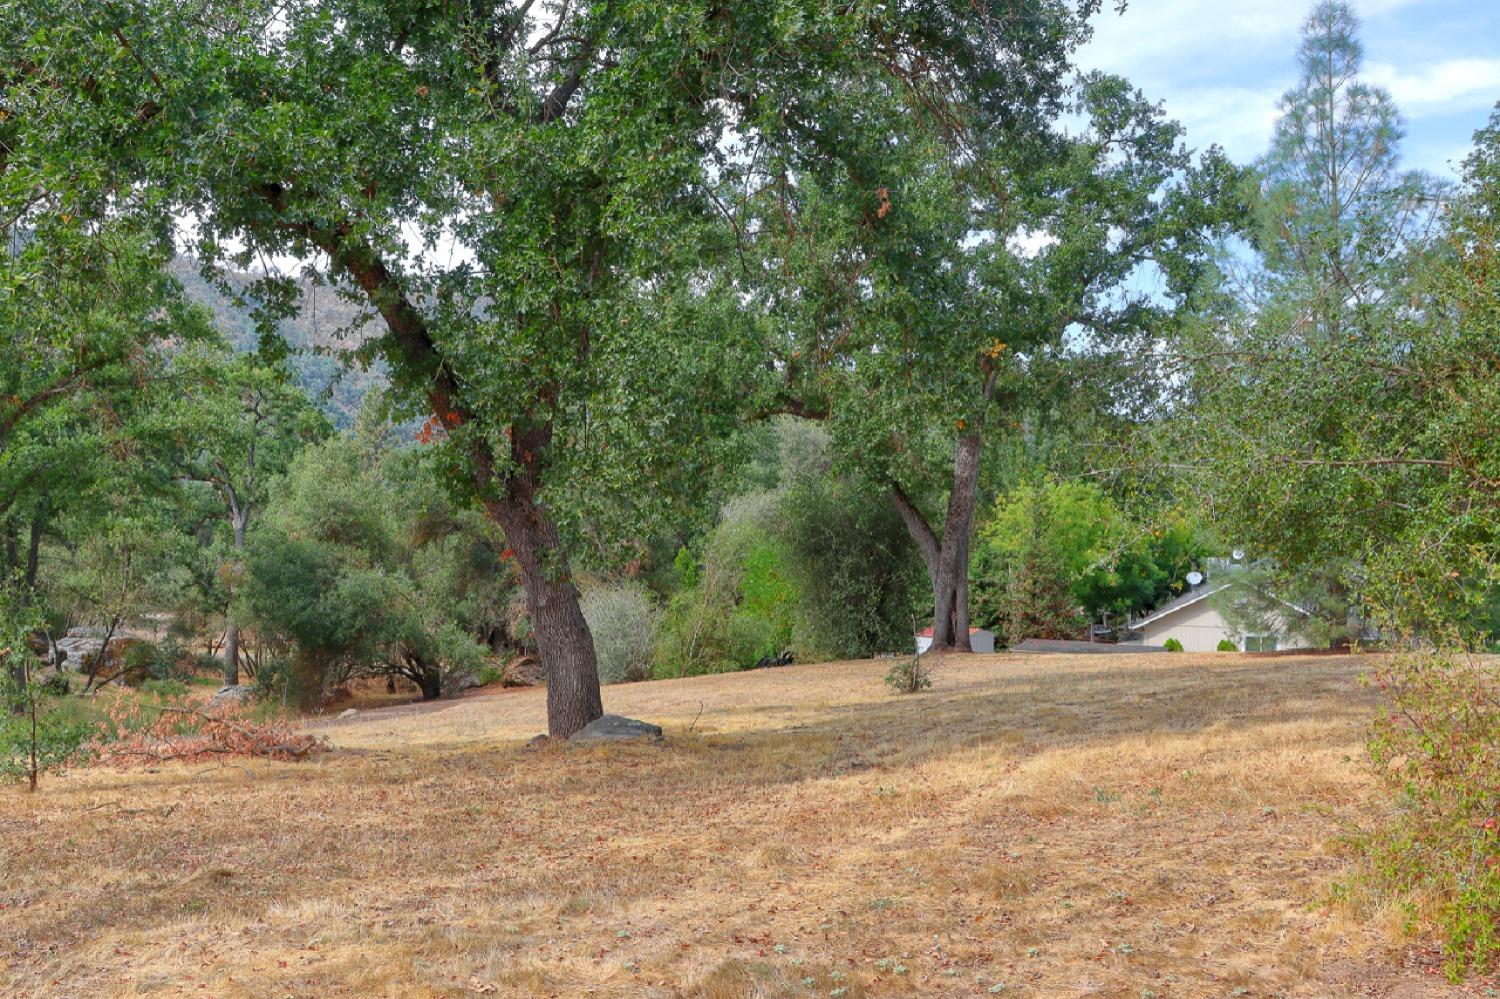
[(181, 733)]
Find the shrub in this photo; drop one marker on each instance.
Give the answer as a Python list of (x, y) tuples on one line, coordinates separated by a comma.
[(623, 620), (152, 661), (738, 607), (857, 574), (1437, 748), (1225, 645), (489, 672), (166, 689), (61, 738), (1172, 645), (906, 676)]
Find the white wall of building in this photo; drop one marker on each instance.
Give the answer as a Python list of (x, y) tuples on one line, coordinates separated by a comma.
[(1197, 626)]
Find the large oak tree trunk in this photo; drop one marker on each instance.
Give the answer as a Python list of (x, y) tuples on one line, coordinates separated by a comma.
[(563, 640), (950, 615), (947, 558)]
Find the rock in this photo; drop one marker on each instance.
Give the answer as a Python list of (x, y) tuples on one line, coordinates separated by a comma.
[(349, 712), (231, 697), (616, 728), (75, 650)]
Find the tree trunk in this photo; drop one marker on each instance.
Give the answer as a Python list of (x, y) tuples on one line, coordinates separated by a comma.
[(950, 615), (231, 626), (950, 583), (563, 641), (33, 558), (231, 654)]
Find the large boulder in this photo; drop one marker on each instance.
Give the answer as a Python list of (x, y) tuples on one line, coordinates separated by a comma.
[(616, 728), (229, 698), (76, 649)]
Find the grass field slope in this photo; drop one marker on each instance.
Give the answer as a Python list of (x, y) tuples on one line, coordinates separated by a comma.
[(1134, 826)]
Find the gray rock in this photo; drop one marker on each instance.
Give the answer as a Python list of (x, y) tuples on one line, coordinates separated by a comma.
[(231, 697), (616, 728), (349, 712), (75, 650)]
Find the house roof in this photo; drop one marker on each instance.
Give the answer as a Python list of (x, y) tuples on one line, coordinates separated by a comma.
[(927, 631), (1185, 600)]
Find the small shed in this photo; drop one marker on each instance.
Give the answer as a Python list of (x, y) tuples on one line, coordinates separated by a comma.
[(980, 639)]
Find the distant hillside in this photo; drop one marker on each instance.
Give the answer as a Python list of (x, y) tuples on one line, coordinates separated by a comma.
[(338, 389)]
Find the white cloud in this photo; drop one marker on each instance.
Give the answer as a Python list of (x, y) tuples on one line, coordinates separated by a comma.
[(1238, 118), (1158, 37), (1030, 243), (1440, 88)]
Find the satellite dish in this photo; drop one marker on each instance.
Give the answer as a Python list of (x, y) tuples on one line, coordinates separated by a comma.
[(1194, 578), (1238, 554)]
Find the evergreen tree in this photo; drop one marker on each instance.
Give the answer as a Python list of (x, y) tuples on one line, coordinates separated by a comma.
[(1338, 215)]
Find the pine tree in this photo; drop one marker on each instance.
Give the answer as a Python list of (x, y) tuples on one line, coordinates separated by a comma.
[(1338, 214)]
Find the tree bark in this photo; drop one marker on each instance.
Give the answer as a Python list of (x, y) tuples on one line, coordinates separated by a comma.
[(33, 557), (563, 639), (238, 516), (956, 635), (951, 588)]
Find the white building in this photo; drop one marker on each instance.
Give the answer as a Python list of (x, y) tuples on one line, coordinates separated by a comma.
[(1194, 621), (980, 640)]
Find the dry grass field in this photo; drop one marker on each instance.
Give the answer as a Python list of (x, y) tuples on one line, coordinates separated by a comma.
[(1135, 826)]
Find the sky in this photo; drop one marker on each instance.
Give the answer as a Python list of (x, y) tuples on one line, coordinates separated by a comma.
[(1219, 67)]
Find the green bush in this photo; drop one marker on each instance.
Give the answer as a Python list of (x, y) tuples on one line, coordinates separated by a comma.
[(490, 672), (1437, 748), (906, 676), (165, 689), (738, 606), (166, 660), (856, 571), (61, 738), (1225, 645), (1172, 645)]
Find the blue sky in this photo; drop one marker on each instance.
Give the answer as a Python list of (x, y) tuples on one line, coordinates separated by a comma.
[(1220, 66)]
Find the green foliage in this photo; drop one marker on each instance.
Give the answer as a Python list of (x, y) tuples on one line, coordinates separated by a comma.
[(1315, 604), (1172, 645), (34, 738), (490, 673), (1337, 221), (906, 676), (364, 566), (1225, 645), (1035, 601), (1437, 748), (164, 662), (60, 739), (1107, 562), (855, 568), (622, 618), (740, 605)]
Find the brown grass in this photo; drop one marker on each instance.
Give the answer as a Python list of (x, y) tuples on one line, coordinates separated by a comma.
[(1064, 826)]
